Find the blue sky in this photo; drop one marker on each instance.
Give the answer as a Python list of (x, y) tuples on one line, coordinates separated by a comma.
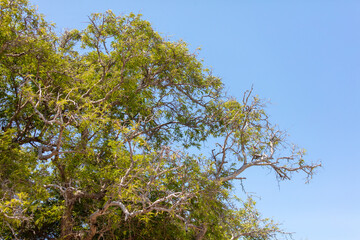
[(302, 56)]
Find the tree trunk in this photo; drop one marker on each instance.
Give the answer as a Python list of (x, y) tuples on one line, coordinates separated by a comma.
[(201, 234), (67, 224)]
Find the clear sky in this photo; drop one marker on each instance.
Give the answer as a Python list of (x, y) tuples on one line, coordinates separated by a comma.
[(302, 56)]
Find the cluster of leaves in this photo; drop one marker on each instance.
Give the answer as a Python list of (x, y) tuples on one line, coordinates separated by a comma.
[(98, 129)]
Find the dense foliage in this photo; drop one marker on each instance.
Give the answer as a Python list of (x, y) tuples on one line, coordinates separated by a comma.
[(103, 133)]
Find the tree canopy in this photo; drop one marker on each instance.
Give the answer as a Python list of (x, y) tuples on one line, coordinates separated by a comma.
[(103, 133)]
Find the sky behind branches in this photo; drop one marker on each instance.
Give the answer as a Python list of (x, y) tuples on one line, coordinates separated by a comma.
[(303, 57)]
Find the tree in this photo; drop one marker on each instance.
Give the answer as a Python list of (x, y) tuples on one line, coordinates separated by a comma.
[(100, 130)]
